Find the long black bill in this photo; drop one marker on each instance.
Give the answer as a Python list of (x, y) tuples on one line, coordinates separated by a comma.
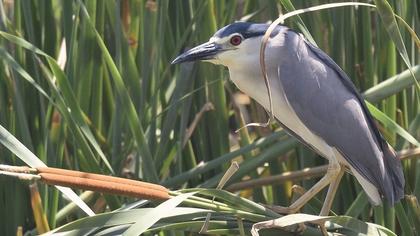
[(205, 51)]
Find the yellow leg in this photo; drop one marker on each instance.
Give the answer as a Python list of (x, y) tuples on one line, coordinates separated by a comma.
[(334, 169), (332, 189)]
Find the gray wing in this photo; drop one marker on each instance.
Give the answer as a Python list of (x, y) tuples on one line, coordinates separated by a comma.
[(327, 102)]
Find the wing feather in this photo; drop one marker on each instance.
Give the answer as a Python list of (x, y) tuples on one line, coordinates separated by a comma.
[(326, 100)]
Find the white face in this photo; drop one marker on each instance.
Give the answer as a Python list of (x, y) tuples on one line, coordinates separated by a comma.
[(237, 51)]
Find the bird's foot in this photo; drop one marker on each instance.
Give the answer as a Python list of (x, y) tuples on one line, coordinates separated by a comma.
[(297, 191)]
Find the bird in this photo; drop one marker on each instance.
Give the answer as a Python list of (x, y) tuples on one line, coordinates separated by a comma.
[(313, 100)]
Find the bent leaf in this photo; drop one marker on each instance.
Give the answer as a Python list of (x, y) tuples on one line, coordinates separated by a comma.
[(391, 125), (11, 143)]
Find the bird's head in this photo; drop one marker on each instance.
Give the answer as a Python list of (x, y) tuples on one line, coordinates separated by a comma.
[(232, 45)]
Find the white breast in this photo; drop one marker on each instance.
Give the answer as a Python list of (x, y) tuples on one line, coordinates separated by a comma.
[(246, 82)]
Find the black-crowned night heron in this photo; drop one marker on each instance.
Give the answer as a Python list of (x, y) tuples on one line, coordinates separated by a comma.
[(314, 100)]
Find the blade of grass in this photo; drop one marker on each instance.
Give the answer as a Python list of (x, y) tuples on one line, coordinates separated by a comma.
[(391, 86), (11, 143), (148, 219), (134, 121), (74, 109), (208, 166), (391, 125), (387, 16)]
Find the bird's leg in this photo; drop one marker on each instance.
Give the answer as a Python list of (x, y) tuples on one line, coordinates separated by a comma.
[(332, 189), (333, 170)]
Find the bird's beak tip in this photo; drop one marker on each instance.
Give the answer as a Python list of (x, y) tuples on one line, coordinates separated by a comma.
[(202, 52), (183, 57), (175, 61)]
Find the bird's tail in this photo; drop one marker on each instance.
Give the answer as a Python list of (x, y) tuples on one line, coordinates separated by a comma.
[(394, 176)]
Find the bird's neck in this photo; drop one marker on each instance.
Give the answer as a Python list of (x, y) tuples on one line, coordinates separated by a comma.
[(250, 81)]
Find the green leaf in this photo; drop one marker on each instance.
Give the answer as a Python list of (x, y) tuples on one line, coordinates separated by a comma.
[(217, 162), (128, 106), (338, 224), (391, 86), (242, 203), (391, 125), (124, 217), (4, 55), (154, 215), (358, 227), (11, 143), (391, 26), (73, 110)]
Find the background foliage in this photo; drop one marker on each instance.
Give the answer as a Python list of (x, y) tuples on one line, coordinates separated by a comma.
[(121, 108)]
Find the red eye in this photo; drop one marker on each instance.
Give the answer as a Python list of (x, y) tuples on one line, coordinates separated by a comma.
[(236, 40)]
